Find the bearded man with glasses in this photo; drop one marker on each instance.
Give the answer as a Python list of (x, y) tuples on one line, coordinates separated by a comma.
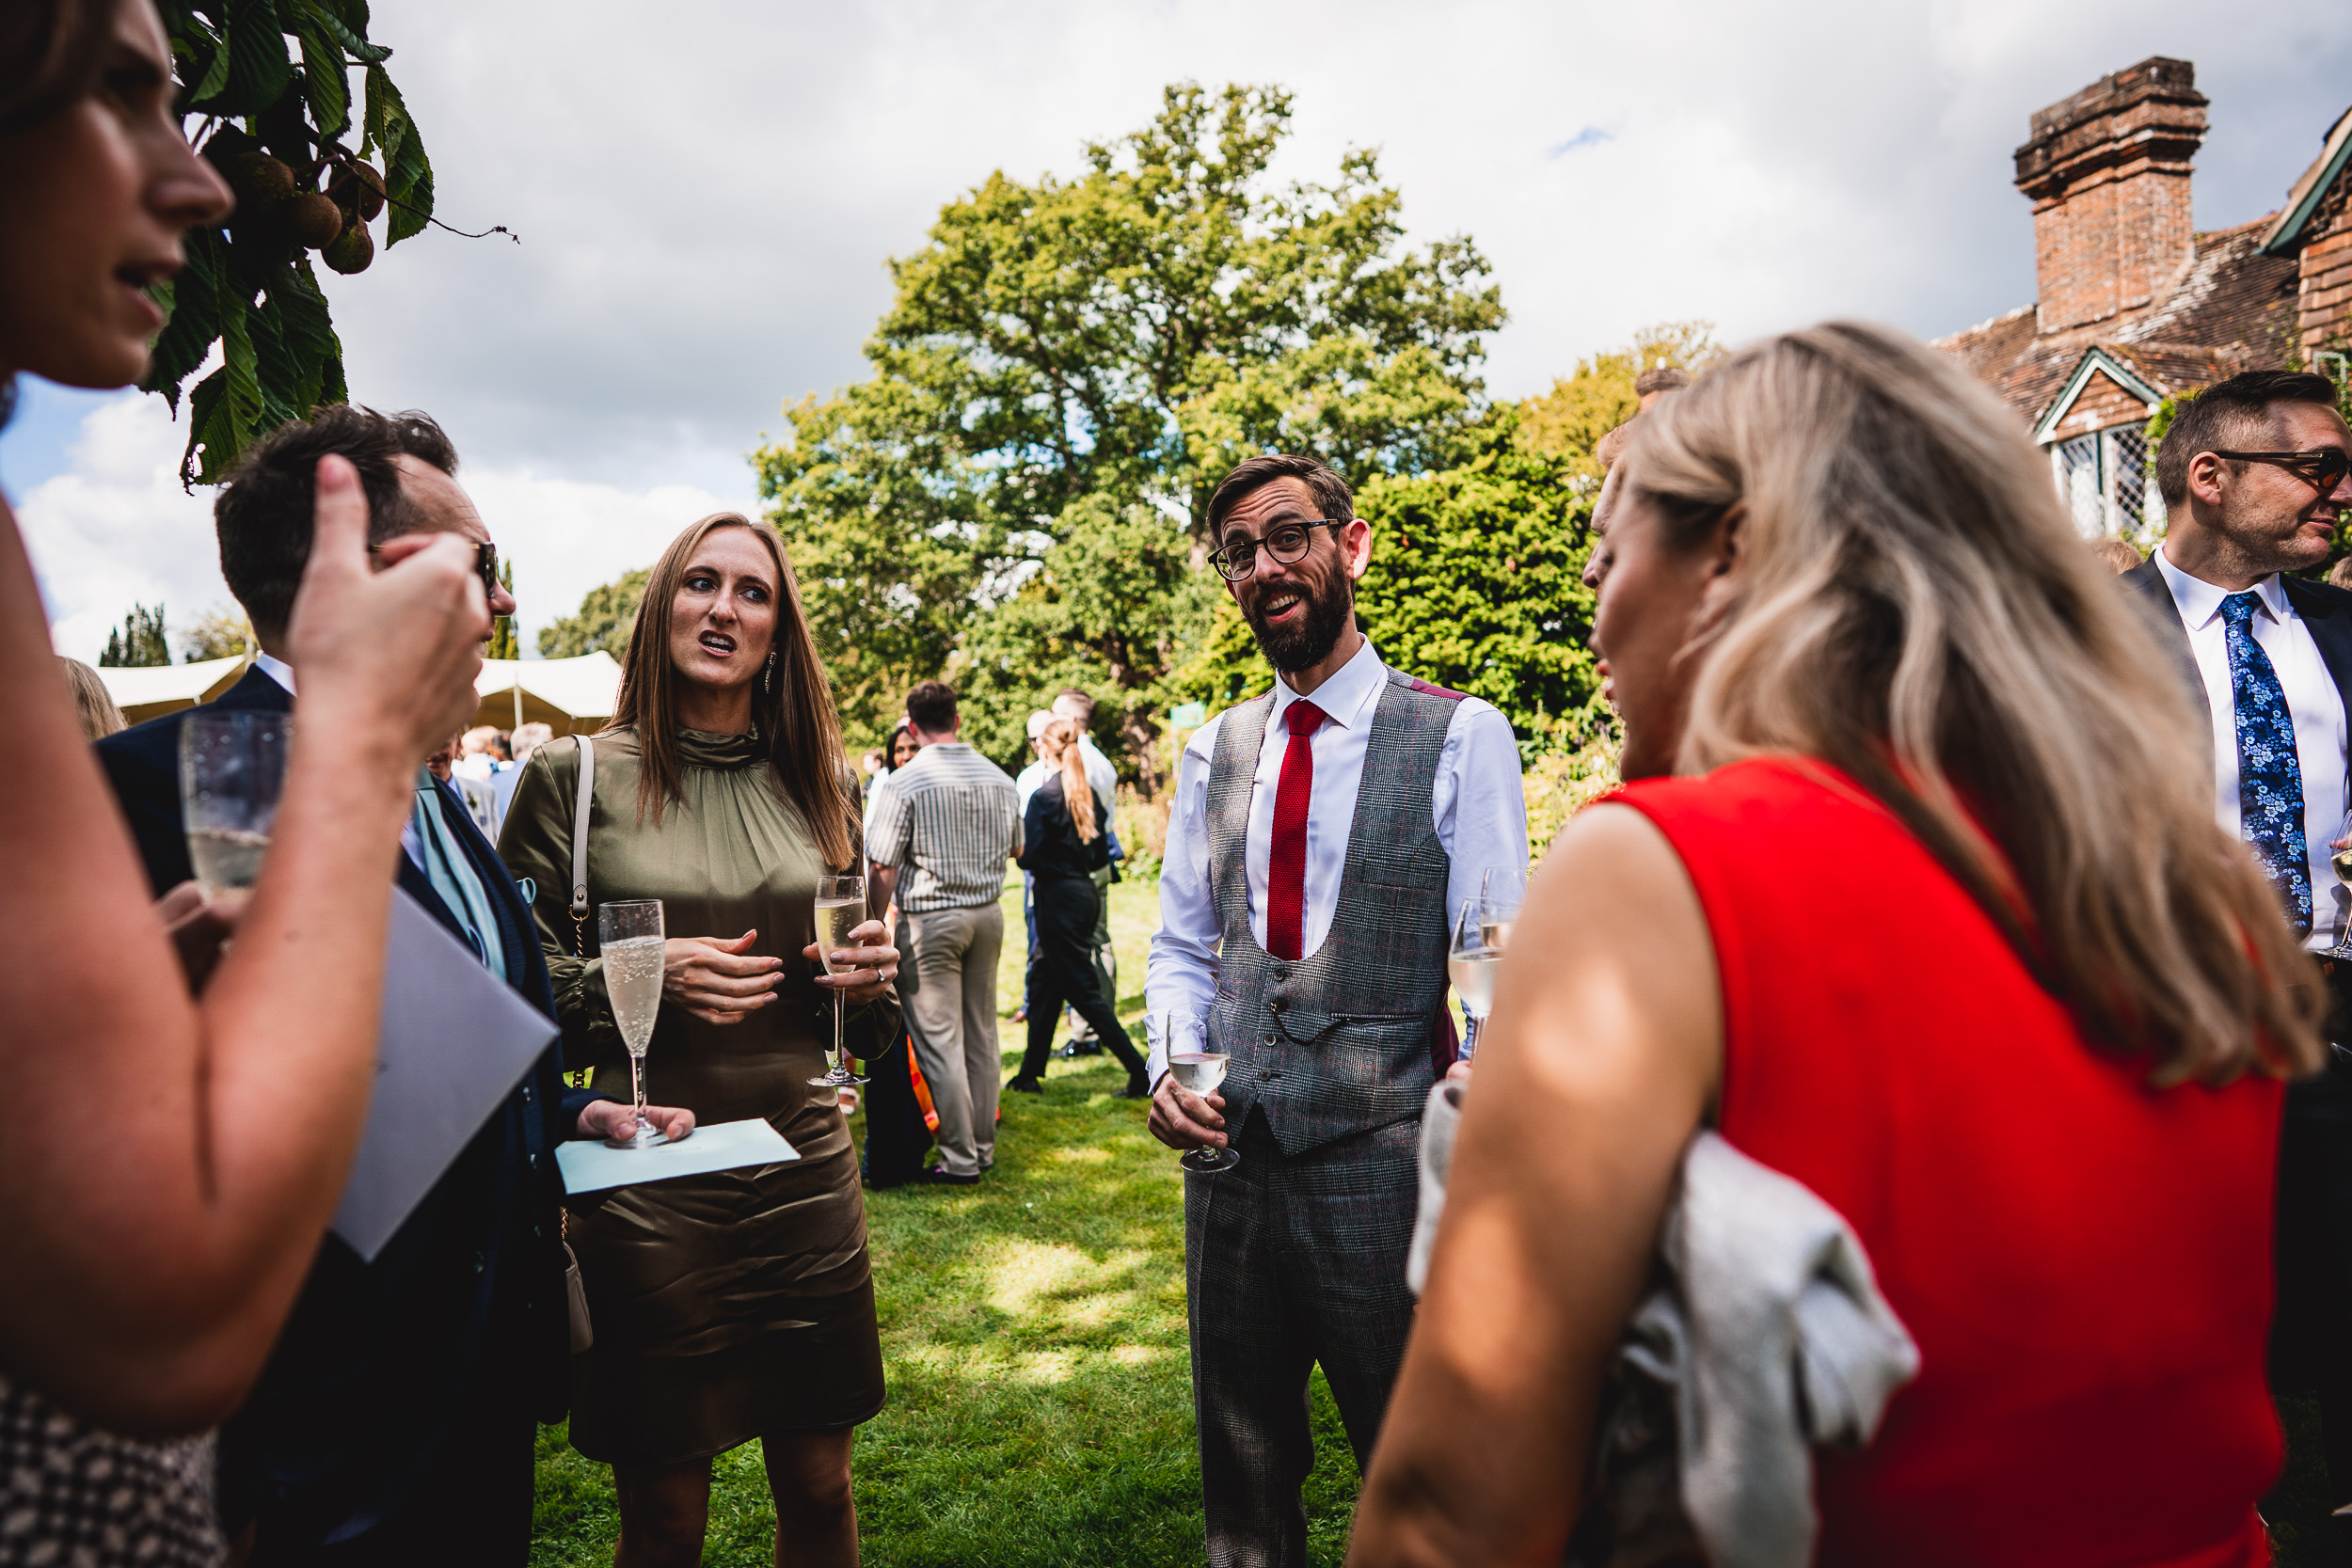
[(1323, 836), (2254, 474)]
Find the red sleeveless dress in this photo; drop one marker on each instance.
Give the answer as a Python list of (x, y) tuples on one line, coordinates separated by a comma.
[(2084, 1261)]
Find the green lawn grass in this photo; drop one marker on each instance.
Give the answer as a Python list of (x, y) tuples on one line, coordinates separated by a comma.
[(1033, 1337)]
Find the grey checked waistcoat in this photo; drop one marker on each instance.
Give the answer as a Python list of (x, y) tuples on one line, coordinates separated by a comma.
[(1339, 1042)]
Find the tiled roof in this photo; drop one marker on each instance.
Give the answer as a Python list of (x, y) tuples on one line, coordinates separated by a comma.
[(2231, 308)]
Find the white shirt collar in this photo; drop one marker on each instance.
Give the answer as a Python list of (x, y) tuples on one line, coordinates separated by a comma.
[(2199, 601), (275, 669), (1346, 699)]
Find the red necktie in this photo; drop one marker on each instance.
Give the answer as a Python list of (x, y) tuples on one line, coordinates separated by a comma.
[(1286, 864)]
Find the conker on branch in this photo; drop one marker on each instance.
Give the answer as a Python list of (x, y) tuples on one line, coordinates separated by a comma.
[(358, 188), (259, 179), (351, 250), (314, 220)]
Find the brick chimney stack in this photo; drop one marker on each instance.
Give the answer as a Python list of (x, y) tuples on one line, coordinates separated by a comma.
[(2107, 172)]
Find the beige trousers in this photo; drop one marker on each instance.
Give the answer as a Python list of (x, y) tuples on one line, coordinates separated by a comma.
[(954, 1004)]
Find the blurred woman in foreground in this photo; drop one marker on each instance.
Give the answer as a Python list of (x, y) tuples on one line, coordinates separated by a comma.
[(173, 1162), (1937, 922)]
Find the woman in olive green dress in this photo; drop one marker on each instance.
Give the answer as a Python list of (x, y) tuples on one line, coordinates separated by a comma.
[(736, 1305)]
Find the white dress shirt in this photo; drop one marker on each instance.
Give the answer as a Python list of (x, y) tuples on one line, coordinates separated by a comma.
[(2313, 700), (1475, 804)]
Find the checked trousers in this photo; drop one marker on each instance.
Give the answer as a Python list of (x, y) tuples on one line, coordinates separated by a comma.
[(1292, 1262)]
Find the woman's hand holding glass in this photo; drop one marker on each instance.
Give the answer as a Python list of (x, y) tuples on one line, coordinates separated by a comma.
[(864, 971)]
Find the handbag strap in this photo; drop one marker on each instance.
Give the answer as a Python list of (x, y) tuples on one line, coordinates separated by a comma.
[(579, 848)]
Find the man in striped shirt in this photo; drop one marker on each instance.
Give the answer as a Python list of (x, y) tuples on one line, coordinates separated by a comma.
[(939, 840)]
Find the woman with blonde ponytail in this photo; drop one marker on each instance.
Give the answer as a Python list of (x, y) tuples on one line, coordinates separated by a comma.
[(1065, 839), (1916, 897)]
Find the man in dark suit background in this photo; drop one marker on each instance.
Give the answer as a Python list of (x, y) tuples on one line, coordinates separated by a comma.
[(2254, 478), (395, 1420)]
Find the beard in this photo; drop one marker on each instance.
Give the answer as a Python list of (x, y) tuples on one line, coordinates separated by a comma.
[(1308, 640)]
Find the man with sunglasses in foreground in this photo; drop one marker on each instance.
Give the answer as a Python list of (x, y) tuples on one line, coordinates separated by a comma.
[(396, 1418), (1324, 834), (2254, 474)]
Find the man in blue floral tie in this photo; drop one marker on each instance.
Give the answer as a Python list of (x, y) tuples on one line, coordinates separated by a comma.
[(2254, 475)]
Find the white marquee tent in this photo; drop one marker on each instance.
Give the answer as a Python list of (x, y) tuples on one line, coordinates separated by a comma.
[(569, 694)]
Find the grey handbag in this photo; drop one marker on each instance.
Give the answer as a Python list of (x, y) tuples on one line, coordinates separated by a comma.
[(575, 1289)]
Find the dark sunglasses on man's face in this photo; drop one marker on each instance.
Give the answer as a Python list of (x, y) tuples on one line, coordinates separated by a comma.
[(1287, 543), (486, 565), (2323, 467)]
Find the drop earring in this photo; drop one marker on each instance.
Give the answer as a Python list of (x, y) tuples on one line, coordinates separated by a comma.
[(766, 673)]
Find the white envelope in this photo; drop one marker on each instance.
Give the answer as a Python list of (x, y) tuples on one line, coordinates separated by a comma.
[(454, 1041), (589, 1166)]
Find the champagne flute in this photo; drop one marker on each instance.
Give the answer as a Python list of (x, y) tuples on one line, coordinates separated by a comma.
[(628, 935), (840, 908), (232, 767), (1199, 1068), (1481, 933), (2341, 860)]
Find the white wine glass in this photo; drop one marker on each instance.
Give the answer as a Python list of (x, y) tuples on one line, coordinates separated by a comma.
[(1482, 933), (2340, 857), (1197, 1068), (1503, 889), (840, 909), (629, 936), (232, 767)]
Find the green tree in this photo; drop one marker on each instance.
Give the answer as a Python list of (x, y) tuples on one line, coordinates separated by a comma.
[(138, 641), (219, 634), (606, 617), (1570, 420), (268, 83), (504, 643), (1066, 370)]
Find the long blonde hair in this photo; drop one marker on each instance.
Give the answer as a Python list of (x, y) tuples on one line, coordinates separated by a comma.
[(793, 709), (1058, 740), (93, 704), (1915, 607)]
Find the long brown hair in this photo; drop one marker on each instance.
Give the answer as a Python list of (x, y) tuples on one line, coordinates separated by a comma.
[(1915, 607), (51, 52), (1059, 741), (794, 713)]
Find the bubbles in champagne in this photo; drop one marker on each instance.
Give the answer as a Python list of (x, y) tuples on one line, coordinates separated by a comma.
[(836, 919), (632, 977), (226, 858)]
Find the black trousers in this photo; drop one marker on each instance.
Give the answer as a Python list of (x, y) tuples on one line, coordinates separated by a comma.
[(1061, 970), (472, 1507), (1291, 1262), (2311, 1332), (896, 1136)]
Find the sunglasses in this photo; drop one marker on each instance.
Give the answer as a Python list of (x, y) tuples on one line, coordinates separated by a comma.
[(486, 565), (2321, 467)]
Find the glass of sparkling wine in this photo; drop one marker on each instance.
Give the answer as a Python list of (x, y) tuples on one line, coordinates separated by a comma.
[(840, 909), (629, 933), (1198, 1069), (1481, 933), (232, 766), (2340, 856)]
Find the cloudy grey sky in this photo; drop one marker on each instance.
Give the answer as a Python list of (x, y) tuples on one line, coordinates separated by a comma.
[(707, 191)]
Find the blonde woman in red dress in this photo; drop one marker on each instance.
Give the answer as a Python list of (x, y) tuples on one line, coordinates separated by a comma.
[(1918, 900)]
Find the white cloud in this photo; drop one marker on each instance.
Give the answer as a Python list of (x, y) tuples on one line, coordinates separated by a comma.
[(116, 528), (708, 194)]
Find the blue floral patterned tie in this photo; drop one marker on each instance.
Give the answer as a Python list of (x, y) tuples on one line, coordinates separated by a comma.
[(2269, 779)]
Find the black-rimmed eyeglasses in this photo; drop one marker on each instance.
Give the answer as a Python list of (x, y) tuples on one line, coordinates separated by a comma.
[(2323, 467), (1287, 543)]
